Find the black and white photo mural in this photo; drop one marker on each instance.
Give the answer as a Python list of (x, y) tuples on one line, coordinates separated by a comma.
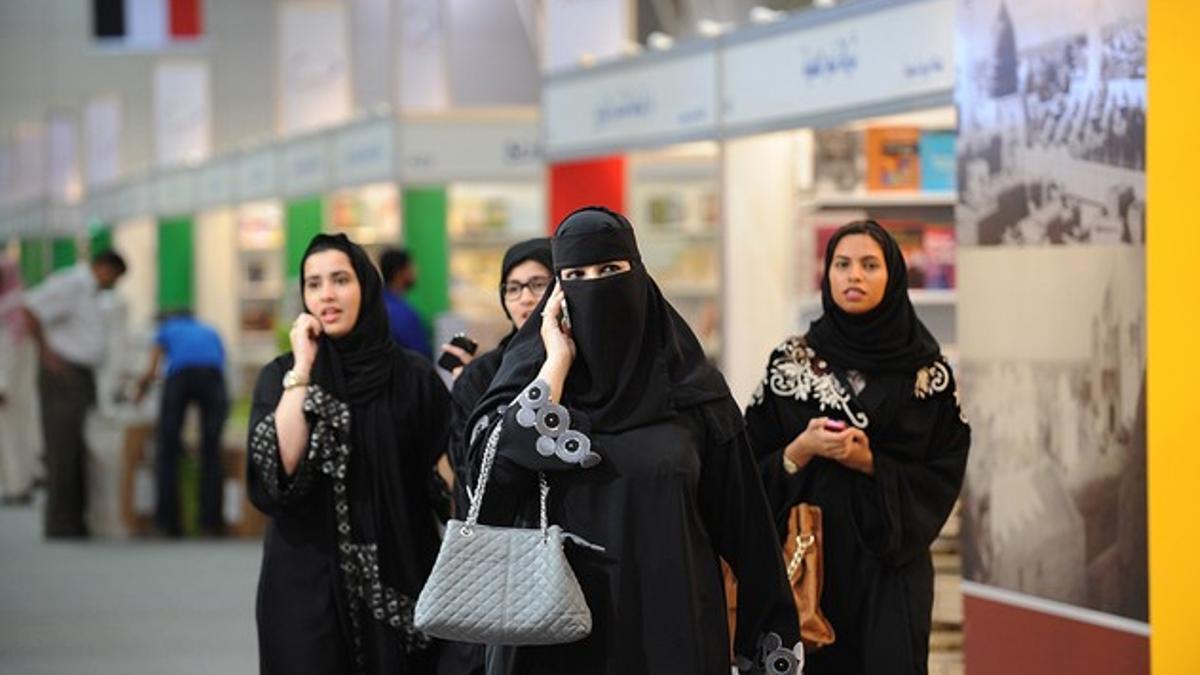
[(1051, 231)]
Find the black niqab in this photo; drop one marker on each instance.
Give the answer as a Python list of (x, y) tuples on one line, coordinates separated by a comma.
[(637, 361), (887, 339)]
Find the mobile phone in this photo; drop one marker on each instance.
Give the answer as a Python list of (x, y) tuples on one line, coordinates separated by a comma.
[(449, 361), (565, 321), (835, 425)]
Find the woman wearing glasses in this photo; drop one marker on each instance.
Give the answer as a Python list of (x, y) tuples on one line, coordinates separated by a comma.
[(524, 276)]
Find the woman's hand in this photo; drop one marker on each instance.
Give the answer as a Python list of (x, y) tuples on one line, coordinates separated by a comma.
[(462, 355), (855, 453), (305, 331), (560, 347), (818, 441)]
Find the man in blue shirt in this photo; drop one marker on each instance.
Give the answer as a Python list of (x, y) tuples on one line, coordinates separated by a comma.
[(399, 275), (195, 374)]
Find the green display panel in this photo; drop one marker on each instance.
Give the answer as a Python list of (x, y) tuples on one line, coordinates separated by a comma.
[(63, 253), (34, 261), (428, 243), (175, 263), (303, 220), (100, 239)]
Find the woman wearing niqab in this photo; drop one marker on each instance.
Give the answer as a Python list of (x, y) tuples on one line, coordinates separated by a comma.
[(646, 456)]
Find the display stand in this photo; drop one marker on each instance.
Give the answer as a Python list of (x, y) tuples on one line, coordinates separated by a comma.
[(473, 187), (652, 120)]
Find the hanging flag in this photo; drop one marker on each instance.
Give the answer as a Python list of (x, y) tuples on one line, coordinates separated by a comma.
[(146, 24)]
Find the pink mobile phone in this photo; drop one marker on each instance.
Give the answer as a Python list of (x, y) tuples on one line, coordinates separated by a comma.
[(835, 425)]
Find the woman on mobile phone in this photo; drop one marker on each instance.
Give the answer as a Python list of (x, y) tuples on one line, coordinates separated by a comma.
[(344, 433), (860, 417), (525, 274), (646, 455)]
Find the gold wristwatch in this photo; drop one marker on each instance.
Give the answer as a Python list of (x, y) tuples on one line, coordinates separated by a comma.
[(293, 379), (788, 465)]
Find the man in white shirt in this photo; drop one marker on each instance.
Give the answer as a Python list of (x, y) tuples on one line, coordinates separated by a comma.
[(67, 325)]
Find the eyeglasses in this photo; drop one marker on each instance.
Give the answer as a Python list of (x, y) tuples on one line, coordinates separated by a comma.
[(537, 286)]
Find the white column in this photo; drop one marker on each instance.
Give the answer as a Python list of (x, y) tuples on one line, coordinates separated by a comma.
[(758, 175)]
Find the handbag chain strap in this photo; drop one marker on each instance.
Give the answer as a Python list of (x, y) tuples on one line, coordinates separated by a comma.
[(485, 470), (803, 542)]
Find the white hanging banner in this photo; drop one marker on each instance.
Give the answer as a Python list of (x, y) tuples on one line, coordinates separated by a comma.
[(660, 99), (62, 159), (364, 152), (102, 140), (848, 59), (312, 66), (421, 71), (577, 28), (181, 112), (257, 175), (214, 184), (437, 149), (29, 139), (306, 166)]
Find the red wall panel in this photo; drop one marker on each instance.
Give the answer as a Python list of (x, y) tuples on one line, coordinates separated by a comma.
[(1002, 639), (599, 182)]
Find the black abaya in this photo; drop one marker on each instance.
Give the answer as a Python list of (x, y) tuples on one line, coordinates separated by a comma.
[(878, 590), (352, 533), (649, 459)]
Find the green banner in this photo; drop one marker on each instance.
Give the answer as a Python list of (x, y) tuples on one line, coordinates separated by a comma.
[(303, 220), (175, 263), (63, 253), (428, 244), (35, 263)]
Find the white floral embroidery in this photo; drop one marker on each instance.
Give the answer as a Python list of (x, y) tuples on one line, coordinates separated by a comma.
[(958, 404), (932, 379), (797, 373), (935, 379)]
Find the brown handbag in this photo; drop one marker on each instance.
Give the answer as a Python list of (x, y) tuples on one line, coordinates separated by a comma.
[(802, 554)]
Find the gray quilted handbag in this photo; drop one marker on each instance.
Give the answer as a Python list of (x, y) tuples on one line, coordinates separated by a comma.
[(502, 585)]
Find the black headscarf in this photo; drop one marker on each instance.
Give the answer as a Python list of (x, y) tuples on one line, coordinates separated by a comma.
[(388, 477), (637, 361), (537, 250), (349, 366), (887, 339)]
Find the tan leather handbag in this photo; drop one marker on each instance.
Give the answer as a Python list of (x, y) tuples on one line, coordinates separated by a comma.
[(802, 553)]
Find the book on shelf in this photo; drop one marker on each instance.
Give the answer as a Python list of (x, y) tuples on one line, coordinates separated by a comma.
[(838, 160), (938, 161), (893, 158)]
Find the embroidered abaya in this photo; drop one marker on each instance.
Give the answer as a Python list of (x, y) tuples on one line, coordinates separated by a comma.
[(352, 533), (883, 373)]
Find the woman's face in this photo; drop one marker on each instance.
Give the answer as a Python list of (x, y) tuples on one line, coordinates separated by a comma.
[(607, 268), (523, 290), (858, 275), (331, 291)]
